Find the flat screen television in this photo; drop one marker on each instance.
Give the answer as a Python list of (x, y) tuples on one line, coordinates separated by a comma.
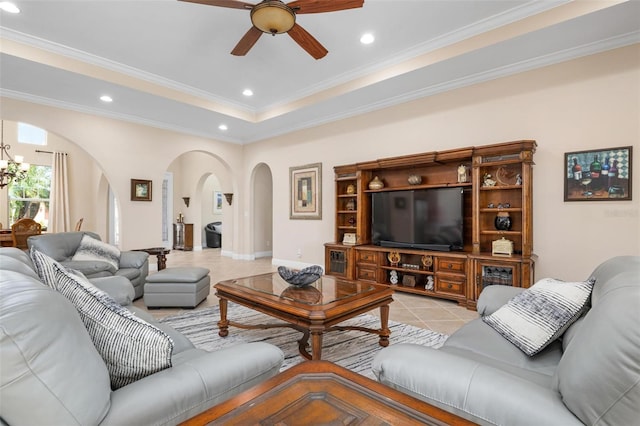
[(428, 218)]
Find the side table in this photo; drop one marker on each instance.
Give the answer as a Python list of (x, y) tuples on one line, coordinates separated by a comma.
[(160, 252)]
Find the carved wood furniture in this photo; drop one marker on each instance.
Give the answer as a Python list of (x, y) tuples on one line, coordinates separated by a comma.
[(500, 183), (320, 392), (312, 310), (23, 229), (183, 236)]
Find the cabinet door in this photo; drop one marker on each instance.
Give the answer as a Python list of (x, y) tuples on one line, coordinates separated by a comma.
[(496, 273), (338, 261)]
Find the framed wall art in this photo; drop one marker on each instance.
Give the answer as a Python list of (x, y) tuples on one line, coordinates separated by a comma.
[(598, 174), (140, 190), (305, 189), (217, 202)]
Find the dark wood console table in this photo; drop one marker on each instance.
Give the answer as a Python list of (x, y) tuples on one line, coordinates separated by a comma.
[(161, 253)]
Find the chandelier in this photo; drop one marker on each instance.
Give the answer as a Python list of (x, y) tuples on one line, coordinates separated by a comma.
[(10, 169)]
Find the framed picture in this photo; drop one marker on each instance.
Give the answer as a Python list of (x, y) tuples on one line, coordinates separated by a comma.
[(305, 191), (598, 175), (217, 202), (140, 190)]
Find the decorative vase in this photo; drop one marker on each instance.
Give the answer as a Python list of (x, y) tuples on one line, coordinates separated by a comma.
[(376, 183), (414, 180), (503, 221)]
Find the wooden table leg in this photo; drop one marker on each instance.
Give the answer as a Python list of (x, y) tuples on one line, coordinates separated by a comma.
[(162, 261), (316, 343), (223, 324), (384, 323)]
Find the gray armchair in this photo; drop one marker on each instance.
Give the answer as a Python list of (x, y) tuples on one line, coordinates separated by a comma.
[(134, 265)]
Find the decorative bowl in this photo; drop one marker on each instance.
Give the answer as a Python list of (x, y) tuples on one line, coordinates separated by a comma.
[(302, 277)]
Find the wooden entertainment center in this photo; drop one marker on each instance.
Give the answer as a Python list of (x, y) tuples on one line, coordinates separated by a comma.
[(496, 181)]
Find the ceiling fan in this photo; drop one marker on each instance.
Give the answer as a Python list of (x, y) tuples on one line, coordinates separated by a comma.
[(276, 17)]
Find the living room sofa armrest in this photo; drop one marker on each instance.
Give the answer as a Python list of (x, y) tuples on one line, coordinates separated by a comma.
[(494, 297), (117, 287), (475, 391), (133, 259), (197, 382)]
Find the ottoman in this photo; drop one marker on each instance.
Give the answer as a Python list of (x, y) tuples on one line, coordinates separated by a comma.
[(177, 288)]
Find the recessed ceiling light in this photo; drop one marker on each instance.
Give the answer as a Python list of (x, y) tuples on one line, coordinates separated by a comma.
[(223, 127), (9, 7), (247, 92), (106, 98), (367, 38)]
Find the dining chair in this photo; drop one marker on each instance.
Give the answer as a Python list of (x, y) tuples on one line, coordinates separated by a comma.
[(79, 224), (23, 229)]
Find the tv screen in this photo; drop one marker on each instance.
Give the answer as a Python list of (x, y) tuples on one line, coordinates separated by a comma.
[(430, 218)]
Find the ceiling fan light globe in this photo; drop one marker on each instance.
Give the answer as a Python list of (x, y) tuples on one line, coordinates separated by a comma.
[(273, 17)]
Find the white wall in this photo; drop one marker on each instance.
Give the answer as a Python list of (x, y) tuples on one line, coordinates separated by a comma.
[(125, 151), (83, 174), (587, 103), (584, 104)]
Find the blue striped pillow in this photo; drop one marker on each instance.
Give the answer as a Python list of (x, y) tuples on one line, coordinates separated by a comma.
[(130, 347), (539, 315)]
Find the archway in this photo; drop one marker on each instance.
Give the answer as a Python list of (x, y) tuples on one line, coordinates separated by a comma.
[(262, 211)]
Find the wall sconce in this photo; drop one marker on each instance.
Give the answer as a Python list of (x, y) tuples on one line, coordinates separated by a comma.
[(186, 201), (229, 197)]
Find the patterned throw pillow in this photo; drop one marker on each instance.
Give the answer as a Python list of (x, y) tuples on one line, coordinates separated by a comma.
[(92, 249), (537, 316), (130, 347)]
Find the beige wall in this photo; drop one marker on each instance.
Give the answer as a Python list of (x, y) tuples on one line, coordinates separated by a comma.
[(584, 104), (589, 103), (83, 173), (125, 151)]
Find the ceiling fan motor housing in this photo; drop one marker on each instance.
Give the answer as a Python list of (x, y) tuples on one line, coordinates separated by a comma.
[(273, 17)]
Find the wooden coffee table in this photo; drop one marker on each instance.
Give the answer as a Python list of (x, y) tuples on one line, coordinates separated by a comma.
[(312, 310), (323, 393)]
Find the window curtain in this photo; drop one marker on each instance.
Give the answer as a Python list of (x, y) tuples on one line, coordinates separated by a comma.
[(59, 220)]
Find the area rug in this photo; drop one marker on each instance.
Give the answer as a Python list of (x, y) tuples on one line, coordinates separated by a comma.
[(351, 349)]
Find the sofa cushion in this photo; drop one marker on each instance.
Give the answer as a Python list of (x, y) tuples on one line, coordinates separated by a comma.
[(93, 249), (599, 373), (537, 316), (130, 347), (50, 372)]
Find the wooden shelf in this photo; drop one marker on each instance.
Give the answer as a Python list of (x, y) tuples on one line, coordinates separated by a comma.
[(499, 188), (410, 187), (456, 275), (407, 270)]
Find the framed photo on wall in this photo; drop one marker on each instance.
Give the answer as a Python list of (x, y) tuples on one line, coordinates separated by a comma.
[(140, 190), (598, 174), (305, 189), (217, 202)]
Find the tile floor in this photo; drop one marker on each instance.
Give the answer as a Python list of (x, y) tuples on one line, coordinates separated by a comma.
[(434, 314)]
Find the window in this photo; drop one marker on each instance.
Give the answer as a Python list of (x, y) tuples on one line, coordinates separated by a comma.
[(31, 134), (30, 197)]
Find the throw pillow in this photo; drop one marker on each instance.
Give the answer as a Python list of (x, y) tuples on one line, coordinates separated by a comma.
[(92, 249), (537, 316), (130, 347)]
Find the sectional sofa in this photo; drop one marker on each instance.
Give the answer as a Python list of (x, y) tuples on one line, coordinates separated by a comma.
[(590, 375), (51, 372)]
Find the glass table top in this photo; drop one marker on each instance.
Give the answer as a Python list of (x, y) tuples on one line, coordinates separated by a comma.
[(326, 290)]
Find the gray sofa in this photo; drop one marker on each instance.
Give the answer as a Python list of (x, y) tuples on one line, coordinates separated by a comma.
[(51, 373), (591, 375), (134, 265)]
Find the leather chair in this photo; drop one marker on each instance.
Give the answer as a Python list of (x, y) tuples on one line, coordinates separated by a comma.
[(23, 229), (213, 232)]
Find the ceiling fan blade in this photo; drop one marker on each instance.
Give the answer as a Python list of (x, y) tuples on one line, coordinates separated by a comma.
[(223, 3), (319, 6), (246, 42), (307, 42)]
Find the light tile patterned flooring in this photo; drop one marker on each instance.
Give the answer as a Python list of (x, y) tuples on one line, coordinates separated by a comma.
[(434, 314)]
